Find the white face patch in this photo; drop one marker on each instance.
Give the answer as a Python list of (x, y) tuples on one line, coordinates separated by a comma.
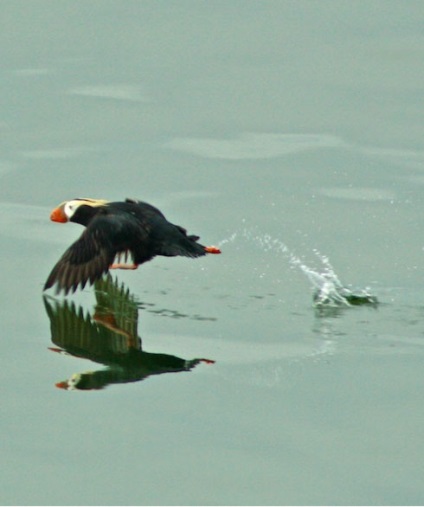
[(70, 207)]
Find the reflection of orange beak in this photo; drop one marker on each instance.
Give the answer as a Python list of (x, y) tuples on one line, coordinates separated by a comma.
[(62, 385), (58, 215)]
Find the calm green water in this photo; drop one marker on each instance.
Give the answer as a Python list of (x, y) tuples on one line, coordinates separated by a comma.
[(254, 125)]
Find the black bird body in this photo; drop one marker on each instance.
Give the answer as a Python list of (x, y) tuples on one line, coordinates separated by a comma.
[(131, 227)]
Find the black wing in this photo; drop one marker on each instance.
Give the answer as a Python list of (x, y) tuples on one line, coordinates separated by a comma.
[(90, 256)]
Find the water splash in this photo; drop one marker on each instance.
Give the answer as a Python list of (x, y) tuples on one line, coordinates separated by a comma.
[(328, 291)]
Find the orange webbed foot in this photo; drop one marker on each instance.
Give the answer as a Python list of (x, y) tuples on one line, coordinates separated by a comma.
[(212, 249)]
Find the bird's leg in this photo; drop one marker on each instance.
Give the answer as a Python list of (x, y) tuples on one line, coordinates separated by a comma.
[(124, 265)]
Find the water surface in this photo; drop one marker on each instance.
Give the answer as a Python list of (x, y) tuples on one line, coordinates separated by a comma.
[(256, 125)]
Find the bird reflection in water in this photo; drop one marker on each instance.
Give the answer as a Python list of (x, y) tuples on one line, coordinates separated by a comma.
[(109, 337)]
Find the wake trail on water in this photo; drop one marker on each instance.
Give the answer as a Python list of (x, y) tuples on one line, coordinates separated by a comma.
[(328, 291)]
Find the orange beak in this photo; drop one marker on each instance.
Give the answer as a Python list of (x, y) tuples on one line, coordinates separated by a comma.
[(58, 215)]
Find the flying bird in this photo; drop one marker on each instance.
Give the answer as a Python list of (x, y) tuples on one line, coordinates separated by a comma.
[(114, 230)]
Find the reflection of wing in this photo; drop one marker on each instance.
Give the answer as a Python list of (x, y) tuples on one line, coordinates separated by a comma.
[(116, 307), (109, 337), (80, 335)]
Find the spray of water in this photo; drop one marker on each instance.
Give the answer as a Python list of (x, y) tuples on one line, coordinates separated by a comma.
[(328, 291)]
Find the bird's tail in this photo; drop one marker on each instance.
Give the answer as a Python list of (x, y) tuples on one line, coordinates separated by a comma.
[(187, 246)]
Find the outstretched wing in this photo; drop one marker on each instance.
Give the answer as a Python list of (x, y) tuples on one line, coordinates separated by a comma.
[(86, 259)]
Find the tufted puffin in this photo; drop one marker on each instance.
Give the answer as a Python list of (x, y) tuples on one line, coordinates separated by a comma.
[(130, 228)]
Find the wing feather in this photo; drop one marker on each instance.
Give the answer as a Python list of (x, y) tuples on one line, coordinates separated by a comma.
[(86, 260)]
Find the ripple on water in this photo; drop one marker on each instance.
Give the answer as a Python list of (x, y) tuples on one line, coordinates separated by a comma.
[(253, 145)]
